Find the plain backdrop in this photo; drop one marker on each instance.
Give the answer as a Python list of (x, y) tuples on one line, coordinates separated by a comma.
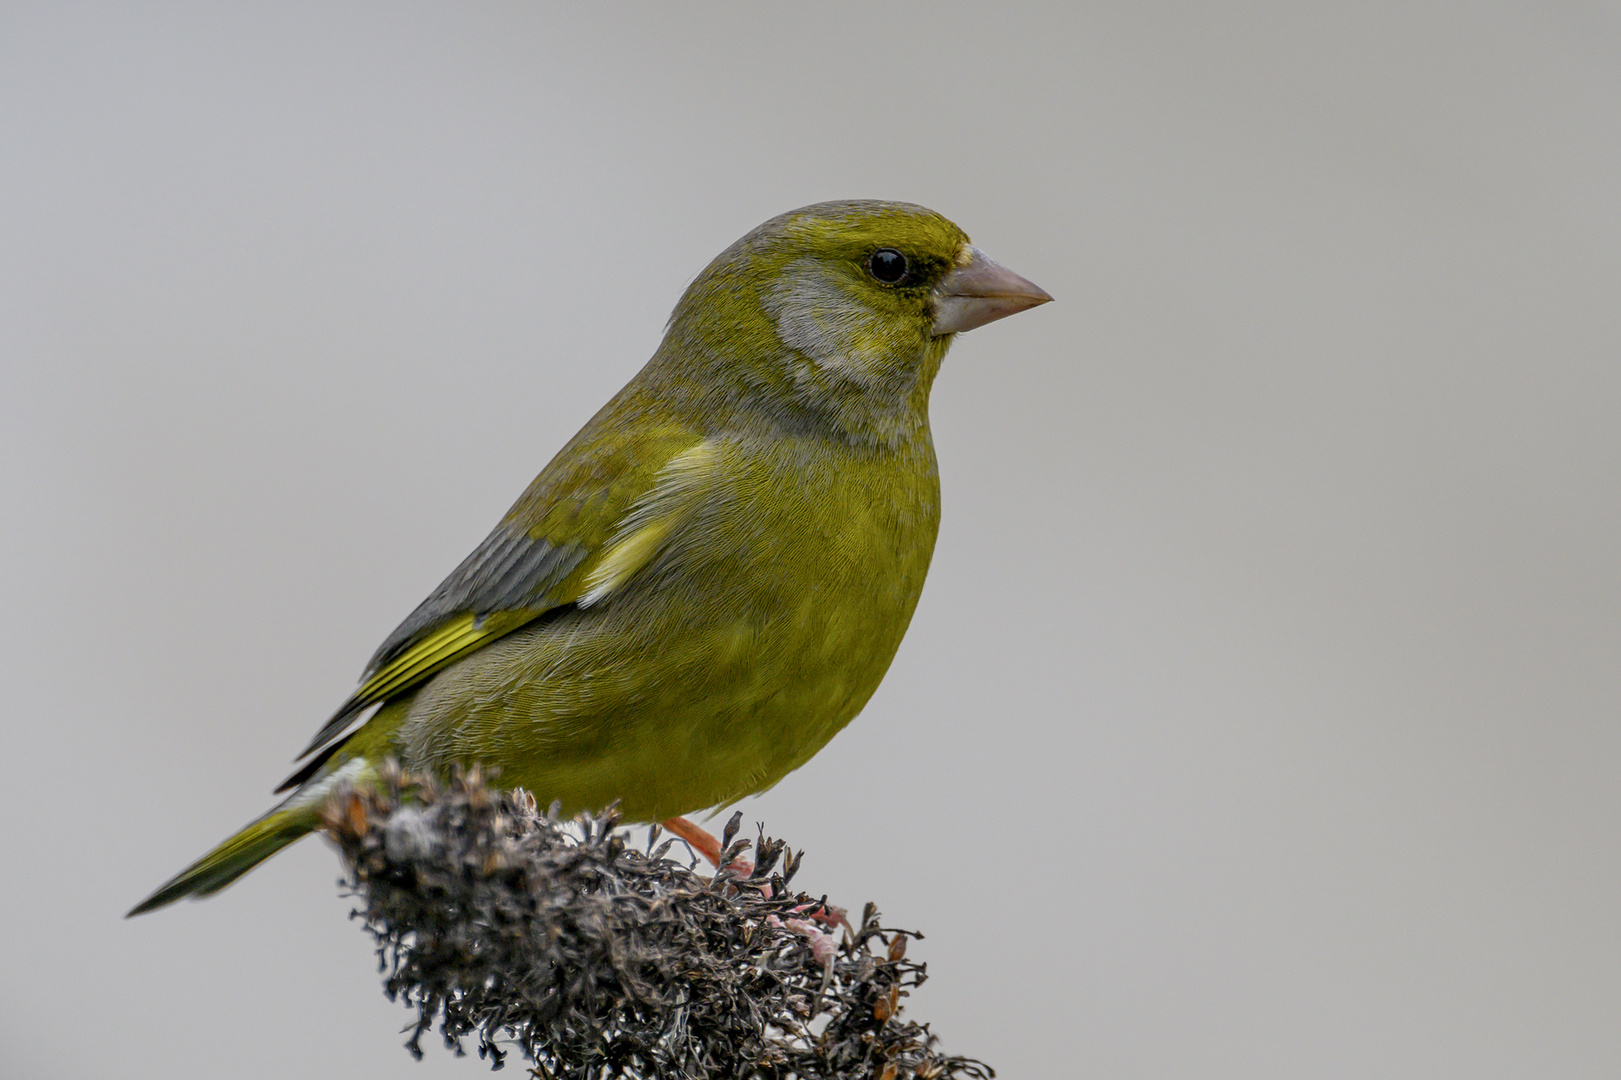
[(1260, 719)]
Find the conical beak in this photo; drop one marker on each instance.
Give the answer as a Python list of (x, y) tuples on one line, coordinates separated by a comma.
[(981, 291)]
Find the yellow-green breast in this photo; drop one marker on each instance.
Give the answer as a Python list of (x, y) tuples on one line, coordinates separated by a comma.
[(758, 632)]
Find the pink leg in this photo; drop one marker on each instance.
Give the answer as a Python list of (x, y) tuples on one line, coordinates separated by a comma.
[(823, 944), (704, 843), (699, 839)]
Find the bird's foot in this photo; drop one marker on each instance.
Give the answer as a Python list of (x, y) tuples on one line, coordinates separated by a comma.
[(824, 945), (828, 915), (707, 844)]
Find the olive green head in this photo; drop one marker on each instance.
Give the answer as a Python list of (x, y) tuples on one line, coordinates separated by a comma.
[(836, 314)]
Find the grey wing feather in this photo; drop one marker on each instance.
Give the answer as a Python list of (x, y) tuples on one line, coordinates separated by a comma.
[(508, 571)]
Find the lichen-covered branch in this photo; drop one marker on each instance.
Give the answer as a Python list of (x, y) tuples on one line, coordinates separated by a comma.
[(591, 958)]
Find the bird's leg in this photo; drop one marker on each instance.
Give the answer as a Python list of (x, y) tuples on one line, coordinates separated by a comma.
[(706, 844), (823, 943)]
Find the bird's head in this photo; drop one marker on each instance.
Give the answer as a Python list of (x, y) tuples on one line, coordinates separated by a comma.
[(840, 312)]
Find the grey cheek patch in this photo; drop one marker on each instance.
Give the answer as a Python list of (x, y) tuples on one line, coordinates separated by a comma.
[(821, 320)]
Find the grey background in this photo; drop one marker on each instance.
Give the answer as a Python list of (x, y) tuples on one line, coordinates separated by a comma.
[(1260, 717)]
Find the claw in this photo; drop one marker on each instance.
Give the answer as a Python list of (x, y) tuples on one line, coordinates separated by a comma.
[(823, 945), (828, 915)]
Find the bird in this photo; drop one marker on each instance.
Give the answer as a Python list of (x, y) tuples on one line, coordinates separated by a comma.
[(711, 578)]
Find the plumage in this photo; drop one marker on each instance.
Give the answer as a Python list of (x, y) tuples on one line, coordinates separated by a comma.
[(711, 578)]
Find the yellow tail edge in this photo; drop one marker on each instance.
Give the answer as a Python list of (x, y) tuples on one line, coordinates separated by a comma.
[(248, 848)]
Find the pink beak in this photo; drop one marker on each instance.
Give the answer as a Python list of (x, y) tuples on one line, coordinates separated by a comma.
[(981, 291)]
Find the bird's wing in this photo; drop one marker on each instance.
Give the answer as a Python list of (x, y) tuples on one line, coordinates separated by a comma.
[(589, 522)]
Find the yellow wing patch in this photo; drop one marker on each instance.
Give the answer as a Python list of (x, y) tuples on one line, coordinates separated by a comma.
[(643, 531), (436, 649), (637, 538)]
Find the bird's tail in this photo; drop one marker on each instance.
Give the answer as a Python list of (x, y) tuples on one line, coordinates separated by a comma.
[(236, 856), (298, 815)]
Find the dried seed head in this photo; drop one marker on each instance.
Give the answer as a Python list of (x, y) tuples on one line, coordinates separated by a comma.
[(593, 958)]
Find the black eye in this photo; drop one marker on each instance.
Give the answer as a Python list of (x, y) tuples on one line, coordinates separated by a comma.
[(887, 265)]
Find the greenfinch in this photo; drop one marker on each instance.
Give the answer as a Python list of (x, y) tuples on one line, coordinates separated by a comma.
[(711, 578)]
